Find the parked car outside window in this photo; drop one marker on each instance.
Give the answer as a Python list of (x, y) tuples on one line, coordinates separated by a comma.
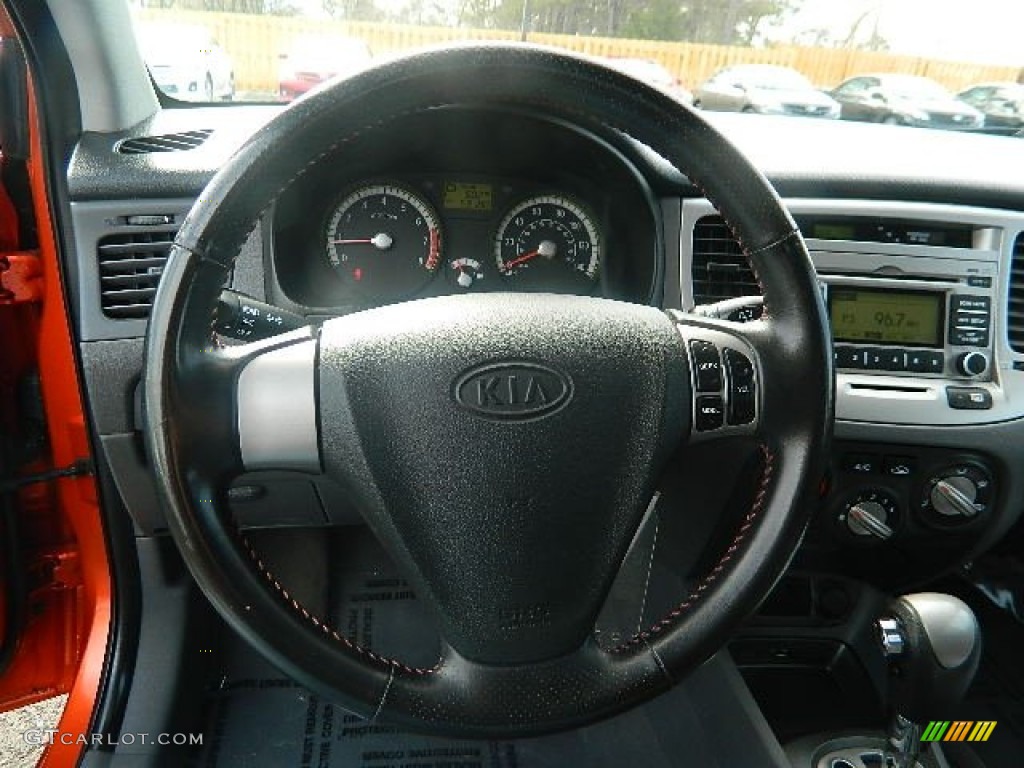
[(765, 89), (904, 100), (186, 62), (1001, 103), (311, 60)]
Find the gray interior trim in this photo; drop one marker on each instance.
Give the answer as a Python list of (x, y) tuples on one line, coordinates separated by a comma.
[(100, 40), (112, 370)]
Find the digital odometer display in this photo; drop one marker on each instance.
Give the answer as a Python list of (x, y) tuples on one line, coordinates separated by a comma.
[(464, 196), (870, 316)]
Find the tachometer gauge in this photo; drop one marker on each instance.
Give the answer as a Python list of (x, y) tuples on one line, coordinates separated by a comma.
[(549, 243), (384, 241)]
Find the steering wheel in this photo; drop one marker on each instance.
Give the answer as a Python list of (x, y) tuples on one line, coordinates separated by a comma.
[(391, 402)]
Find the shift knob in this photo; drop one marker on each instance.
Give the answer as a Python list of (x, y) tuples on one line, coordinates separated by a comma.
[(933, 644)]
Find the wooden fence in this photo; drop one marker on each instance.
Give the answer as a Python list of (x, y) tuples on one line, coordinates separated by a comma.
[(254, 43)]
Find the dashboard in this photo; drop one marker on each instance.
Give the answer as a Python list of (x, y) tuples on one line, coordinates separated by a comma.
[(916, 239)]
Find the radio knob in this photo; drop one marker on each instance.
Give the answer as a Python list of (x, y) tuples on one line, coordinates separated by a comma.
[(955, 495), (972, 363)]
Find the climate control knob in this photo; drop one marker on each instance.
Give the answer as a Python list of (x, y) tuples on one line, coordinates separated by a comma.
[(870, 514), (972, 363), (956, 495)]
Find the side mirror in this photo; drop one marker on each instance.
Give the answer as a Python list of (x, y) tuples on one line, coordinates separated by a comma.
[(877, 96)]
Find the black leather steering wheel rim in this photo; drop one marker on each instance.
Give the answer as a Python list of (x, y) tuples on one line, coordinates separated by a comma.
[(190, 442)]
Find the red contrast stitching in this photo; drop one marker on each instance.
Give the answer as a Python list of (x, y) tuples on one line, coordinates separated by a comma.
[(326, 628), (698, 592)]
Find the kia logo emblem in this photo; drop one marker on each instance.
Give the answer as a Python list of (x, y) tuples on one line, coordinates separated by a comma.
[(514, 391)]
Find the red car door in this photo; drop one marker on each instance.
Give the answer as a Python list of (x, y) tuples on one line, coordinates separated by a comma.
[(54, 573)]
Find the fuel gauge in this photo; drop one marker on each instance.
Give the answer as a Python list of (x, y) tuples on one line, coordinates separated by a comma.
[(467, 272)]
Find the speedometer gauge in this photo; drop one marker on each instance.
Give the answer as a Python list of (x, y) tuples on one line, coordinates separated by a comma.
[(384, 241), (549, 243)]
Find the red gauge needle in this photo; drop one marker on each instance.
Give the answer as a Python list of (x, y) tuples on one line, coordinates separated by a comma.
[(520, 260), (381, 241), (546, 249)]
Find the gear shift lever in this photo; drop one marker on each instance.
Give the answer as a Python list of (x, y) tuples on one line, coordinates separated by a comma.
[(933, 646)]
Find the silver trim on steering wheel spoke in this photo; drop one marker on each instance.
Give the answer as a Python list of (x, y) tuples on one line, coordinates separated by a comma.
[(277, 413)]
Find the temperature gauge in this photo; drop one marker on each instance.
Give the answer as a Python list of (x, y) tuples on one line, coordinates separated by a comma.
[(467, 272)]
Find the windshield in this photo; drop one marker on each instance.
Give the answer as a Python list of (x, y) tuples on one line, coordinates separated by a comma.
[(277, 50)]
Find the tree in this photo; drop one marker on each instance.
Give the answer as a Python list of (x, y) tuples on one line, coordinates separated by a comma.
[(271, 7), (652, 20), (422, 13), (759, 15), (853, 37), (353, 10), (732, 22)]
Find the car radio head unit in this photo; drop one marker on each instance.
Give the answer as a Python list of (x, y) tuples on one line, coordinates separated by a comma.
[(922, 325)]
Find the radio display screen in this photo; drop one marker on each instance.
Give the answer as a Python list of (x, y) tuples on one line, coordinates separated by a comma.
[(882, 316)]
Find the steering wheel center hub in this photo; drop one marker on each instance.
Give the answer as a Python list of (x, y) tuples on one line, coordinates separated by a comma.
[(512, 440)]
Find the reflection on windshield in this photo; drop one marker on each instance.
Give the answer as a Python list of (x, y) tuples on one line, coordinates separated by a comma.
[(915, 88), (780, 83)]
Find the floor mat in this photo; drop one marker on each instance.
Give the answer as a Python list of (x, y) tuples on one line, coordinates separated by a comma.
[(260, 719)]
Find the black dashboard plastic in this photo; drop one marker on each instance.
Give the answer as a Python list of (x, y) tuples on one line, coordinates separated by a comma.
[(802, 158)]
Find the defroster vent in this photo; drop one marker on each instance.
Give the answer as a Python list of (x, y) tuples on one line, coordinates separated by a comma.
[(130, 267), (720, 270), (1015, 302), (167, 142)]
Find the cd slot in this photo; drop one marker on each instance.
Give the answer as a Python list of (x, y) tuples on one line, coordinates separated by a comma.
[(889, 276), (889, 388)]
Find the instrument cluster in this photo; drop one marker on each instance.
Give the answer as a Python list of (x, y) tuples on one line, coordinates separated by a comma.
[(389, 241), (447, 205)]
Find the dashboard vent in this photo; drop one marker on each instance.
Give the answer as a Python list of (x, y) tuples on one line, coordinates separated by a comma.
[(168, 142), (1015, 303), (720, 270), (130, 267)]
